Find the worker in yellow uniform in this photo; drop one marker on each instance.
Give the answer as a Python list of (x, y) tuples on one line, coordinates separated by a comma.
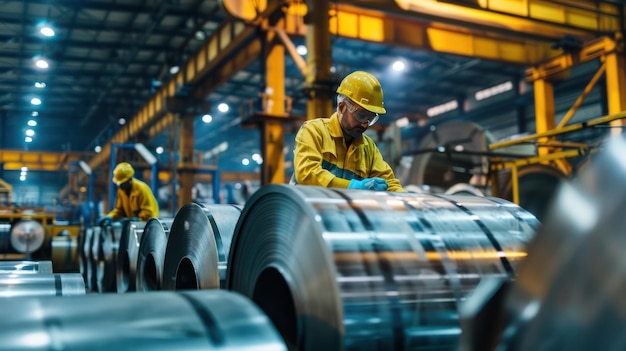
[(134, 201), (334, 152)]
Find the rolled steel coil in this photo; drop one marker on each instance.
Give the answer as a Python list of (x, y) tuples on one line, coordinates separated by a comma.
[(85, 256), (109, 244), (65, 254), (35, 267), (57, 284), (152, 254), (361, 270), (194, 320), (198, 245), (95, 258), (5, 236), (126, 267), (464, 189), (27, 236), (569, 293)]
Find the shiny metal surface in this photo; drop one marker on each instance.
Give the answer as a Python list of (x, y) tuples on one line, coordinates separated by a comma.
[(464, 189), (85, 255), (5, 236), (361, 270), (57, 284), (570, 292), (95, 258), (194, 320), (27, 236), (65, 254), (151, 254), (126, 267), (198, 246), (34, 267), (109, 245)]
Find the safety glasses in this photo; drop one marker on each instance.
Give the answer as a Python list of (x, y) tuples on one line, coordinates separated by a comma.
[(363, 116)]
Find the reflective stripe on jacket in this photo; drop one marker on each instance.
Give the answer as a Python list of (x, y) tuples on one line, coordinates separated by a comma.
[(321, 157), (140, 203)]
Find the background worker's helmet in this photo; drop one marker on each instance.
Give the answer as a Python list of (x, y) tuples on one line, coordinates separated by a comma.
[(365, 90), (122, 172)]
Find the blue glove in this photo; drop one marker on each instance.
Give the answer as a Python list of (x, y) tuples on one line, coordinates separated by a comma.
[(106, 220), (377, 184)]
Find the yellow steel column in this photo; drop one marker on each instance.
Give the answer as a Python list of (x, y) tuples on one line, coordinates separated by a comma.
[(544, 110), (185, 160), (616, 87), (272, 133), (318, 77)]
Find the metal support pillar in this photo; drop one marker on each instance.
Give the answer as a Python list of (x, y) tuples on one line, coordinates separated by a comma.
[(616, 87), (186, 167), (544, 110), (272, 131), (319, 82)]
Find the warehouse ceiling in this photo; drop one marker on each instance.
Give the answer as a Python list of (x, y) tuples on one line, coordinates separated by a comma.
[(108, 57)]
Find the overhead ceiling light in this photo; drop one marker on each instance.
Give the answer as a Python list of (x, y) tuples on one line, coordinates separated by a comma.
[(207, 118), (200, 35), (30, 132), (40, 85), (97, 149), (121, 121), (35, 101), (47, 31), (398, 66), (222, 107), (443, 108), (159, 150), (245, 162), (22, 178), (494, 90), (301, 50), (23, 173), (35, 114), (32, 123), (28, 139), (174, 69), (42, 63), (24, 169)]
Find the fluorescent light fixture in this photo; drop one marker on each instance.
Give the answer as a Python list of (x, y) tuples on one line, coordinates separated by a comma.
[(24, 169), (147, 155), (222, 107), (30, 132), (402, 122), (97, 149), (159, 150), (35, 114), (23, 173), (494, 90), (40, 85), (35, 101), (28, 139), (245, 162), (32, 123), (174, 69), (207, 118), (443, 108), (22, 178)]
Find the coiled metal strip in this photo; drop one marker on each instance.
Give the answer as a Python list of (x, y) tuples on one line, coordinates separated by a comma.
[(198, 246), (32, 267), (109, 244), (95, 258), (58, 284), (346, 269), (194, 320), (65, 254), (151, 254), (85, 256), (126, 267)]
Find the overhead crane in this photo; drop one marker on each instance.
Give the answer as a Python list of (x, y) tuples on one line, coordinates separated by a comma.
[(521, 33)]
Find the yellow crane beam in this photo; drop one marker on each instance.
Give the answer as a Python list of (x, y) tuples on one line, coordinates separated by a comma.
[(38, 160)]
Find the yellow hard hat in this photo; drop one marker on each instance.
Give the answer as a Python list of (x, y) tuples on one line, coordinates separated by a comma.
[(365, 90), (122, 172)]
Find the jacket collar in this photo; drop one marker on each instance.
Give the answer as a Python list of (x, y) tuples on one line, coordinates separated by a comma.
[(336, 132)]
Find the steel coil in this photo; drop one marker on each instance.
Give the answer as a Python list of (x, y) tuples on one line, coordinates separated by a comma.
[(35, 267), (360, 270), (5, 236), (194, 320), (464, 189), (65, 254), (57, 284), (96, 257), (85, 256), (198, 245), (126, 267), (27, 236), (152, 254), (109, 244)]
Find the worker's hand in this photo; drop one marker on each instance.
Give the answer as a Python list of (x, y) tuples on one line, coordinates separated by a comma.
[(106, 220), (378, 184)]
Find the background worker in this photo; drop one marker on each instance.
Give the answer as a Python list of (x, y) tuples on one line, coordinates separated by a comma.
[(334, 152), (134, 200)]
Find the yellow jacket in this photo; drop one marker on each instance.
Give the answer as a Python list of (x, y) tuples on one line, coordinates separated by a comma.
[(140, 203), (321, 157)]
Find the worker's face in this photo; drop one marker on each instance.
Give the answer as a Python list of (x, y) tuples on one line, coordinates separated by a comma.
[(126, 185), (349, 124)]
